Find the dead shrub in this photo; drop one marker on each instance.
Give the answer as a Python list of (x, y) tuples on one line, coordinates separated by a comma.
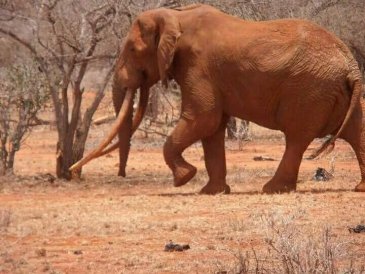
[(291, 250)]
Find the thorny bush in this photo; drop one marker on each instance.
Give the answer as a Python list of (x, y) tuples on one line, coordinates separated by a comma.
[(22, 95)]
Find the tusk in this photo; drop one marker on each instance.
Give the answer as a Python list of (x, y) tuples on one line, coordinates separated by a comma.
[(141, 110), (127, 104), (110, 149), (137, 119)]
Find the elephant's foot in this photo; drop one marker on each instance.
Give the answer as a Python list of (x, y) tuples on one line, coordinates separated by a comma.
[(212, 189), (275, 186), (183, 174), (360, 187), (121, 172)]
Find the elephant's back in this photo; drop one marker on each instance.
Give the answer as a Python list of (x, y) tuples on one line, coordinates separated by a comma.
[(299, 46)]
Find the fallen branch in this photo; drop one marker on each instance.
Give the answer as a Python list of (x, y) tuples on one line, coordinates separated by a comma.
[(152, 132)]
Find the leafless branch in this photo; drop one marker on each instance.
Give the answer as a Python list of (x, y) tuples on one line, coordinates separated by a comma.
[(149, 131), (95, 57), (20, 40), (322, 6)]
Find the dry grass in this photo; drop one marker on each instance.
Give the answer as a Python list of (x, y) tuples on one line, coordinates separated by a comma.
[(119, 230), (107, 224), (5, 219), (291, 249)]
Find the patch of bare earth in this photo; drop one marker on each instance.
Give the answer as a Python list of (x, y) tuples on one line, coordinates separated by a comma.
[(107, 224)]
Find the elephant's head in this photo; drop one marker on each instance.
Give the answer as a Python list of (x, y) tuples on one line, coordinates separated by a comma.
[(148, 50), (146, 57)]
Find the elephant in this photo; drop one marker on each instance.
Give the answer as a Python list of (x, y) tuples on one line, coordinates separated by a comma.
[(288, 74)]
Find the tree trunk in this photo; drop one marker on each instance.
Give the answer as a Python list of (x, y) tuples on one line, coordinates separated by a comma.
[(6, 161), (71, 150), (10, 164), (81, 134), (64, 160), (69, 153), (3, 157), (72, 135)]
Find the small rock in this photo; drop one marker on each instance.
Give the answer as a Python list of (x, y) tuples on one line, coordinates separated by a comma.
[(357, 229), (78, 252), (41, 252), (171, 247), (46, 268), (322, 175), (47, 177), (263, 158)]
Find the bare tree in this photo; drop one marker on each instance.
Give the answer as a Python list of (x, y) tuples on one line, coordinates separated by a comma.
[(67, 38), (22, 95)]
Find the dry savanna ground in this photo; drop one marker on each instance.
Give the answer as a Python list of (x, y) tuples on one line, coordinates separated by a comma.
[(107, 224)]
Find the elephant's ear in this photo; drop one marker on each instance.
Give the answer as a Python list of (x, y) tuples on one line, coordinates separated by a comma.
[(169, 33)]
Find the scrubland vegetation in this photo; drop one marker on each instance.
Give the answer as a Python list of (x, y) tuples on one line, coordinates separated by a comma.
[(103, 223)]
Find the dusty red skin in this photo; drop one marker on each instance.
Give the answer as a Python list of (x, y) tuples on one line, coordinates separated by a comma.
[(289, 75)]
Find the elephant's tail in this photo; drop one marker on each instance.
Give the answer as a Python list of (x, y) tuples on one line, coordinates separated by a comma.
[(355, 84)]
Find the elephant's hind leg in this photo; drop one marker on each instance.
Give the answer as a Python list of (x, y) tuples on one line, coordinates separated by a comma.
[(187, 132), (215, 161), (355, 135), (285, 178)]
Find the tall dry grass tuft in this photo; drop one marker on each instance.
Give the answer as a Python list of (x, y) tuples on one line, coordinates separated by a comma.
[(289, 248), (295, 252)]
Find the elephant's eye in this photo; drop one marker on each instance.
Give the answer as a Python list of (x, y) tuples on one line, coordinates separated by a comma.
[(132, 49)]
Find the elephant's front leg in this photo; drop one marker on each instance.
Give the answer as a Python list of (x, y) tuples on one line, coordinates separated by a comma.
[(187, 132), (215, 161)]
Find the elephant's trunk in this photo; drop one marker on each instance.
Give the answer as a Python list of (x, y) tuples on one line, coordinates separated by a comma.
[(124, 113), (137, 119), (127, 130)]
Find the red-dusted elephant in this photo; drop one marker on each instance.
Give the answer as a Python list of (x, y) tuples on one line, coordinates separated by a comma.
[(290, 75)]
